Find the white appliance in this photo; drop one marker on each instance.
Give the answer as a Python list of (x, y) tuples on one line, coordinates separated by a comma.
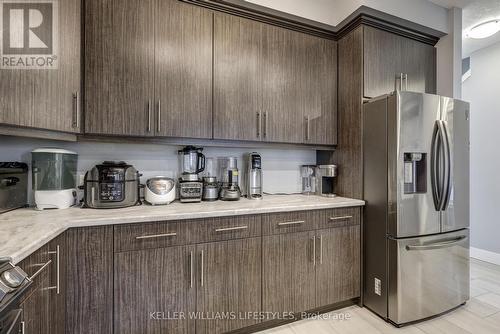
[(54, 178), (160, 190)]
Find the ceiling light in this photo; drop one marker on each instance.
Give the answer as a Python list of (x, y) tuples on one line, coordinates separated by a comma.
[(485, 29)]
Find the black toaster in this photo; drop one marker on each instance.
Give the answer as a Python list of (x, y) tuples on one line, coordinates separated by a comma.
[(13, 186)]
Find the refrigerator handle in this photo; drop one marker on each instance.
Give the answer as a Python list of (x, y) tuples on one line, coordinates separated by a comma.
[(437, 245), (446, 181), (447, 178), (436, 193)]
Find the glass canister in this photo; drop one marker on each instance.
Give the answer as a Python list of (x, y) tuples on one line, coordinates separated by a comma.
[(308, 175)]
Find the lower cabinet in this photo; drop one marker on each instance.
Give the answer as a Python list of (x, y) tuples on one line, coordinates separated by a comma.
[(154, 291), (288, 272), (205, 276), (229, 285), (338, 264)]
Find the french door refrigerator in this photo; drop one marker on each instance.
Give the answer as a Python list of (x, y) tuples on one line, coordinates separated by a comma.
[(416, 187)]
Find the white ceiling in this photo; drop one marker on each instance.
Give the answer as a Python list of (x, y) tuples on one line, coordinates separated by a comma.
[(475, 12)]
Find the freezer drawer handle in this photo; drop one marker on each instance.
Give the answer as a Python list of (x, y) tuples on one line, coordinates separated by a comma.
[(437, 245)]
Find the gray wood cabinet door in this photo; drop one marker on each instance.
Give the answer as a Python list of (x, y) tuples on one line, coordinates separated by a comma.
[(57, 92), (237, 77), (338, 264), (386, 55), (16, 104), (285, 92), (119, 67), (288, 278), (321, 91), (57, 285), (89, 302), (229, 284), (183, 70), (36, 305), (154, 291)]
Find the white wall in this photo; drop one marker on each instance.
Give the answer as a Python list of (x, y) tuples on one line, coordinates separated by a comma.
[(482, 89), (280, 166), (449, 57)]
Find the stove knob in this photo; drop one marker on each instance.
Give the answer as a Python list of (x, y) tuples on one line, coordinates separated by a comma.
[(12, 278)]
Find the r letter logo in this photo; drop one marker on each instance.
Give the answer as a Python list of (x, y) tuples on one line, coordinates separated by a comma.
[(29, 34)]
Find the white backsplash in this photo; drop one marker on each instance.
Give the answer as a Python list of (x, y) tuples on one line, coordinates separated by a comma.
[(280, 166)]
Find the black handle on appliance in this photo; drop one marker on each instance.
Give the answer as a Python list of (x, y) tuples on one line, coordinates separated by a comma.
[(436, 194), (201, 159), (10, 181)]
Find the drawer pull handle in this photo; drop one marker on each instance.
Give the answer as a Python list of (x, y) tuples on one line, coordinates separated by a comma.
[(173, 234), (298, 222), (39, 271), (57, 287), (225, 229), (340, 218)]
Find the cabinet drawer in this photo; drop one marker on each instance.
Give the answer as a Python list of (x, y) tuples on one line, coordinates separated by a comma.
[(286, 222), (149, 235), (339, 217), (223, 228)]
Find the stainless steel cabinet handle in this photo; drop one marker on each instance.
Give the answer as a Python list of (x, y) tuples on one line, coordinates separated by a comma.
[(307, 128), (39, 271), (23, 327), (401, 78), (314, 251), (437, 245), (173, 234), (320, 249), (340, 218), (265, 124), (225, 229), (298, 222), (191, 269), (258, 124), (149, 115), (202, 278), (76, 101), (58, 270), (159, 117), (406, 81)]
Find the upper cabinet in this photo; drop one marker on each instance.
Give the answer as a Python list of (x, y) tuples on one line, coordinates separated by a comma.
[(183, 70), (387, 56), (119, 67), (44, 97), (148, 68), (272, 84)]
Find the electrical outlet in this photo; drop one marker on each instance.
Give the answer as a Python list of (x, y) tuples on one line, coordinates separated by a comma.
[(378, 287)]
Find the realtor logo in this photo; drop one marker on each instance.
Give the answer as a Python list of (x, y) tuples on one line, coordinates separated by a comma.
[(29, 34)]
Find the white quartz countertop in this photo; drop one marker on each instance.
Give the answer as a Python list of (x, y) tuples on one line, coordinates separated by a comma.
[(23, 231)]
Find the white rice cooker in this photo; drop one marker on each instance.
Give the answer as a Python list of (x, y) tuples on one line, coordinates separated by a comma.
[(160, 190)]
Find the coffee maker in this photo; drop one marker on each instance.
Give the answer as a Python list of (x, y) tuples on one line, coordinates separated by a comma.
[(325, 180), (192, 162), (252, 182), (230, 189)]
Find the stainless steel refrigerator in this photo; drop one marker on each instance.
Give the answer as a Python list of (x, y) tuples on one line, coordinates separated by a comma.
[(416, 223)]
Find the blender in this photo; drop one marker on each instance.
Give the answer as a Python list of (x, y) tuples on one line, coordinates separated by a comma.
[(192, 162)]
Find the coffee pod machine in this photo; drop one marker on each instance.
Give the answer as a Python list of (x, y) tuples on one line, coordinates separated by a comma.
[(325, 180), (252, 183), (54, 178), (230, 189), (192, 162)]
